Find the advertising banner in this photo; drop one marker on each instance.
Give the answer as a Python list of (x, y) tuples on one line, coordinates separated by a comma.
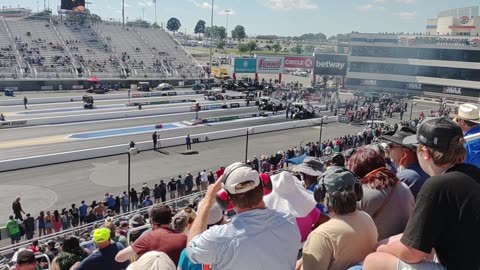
[(302, 62), (245, 65), (270, 64), (330, 64)]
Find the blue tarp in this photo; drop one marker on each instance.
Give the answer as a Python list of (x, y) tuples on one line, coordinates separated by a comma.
[(296, 160)]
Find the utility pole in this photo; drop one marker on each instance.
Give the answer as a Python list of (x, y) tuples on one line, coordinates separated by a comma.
[(155, 2), (227, 11)]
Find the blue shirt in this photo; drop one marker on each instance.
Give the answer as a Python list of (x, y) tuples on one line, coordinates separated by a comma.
[(146, 203), (255, 239), (110, 202), (414, 177), (83, 210), (473, 148), (104, 259)]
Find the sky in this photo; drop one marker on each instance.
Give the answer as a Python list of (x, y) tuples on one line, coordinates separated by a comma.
[(276, 17)]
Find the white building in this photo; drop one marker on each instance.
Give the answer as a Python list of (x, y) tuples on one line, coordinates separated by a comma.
[(460, 21)]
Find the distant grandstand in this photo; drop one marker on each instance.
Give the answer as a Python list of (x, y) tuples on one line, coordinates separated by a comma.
[(72, 46)]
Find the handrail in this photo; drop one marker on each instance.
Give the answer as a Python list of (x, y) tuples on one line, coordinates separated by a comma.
[(74, 230), (72, 59), (18, 57)]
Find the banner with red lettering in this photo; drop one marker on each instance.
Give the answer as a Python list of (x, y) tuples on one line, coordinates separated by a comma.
[(270, 64), (302, 62)]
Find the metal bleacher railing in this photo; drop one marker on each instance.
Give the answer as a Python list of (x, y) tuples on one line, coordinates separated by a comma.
[(174, 203)]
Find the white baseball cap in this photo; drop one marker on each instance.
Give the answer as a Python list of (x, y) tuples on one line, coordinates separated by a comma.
[(215, 214), (240, 178)]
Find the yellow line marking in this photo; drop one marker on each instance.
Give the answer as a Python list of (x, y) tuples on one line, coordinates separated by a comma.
[(7, 114), (33, 141)]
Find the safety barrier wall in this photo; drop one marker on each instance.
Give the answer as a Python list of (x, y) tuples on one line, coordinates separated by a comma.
[(21, 163), (124, 95), (133, 112)]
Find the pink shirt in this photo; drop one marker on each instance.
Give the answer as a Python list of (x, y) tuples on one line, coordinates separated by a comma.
[(306, 223)]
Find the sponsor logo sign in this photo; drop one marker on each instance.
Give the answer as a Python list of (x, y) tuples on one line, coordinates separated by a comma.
[(464, 19), (77, 87), (413, 86), (452, 90), (330, 64), (172, 93), (301, 62), (10, 124), (234, 105), (245, 65), (270, 64), (46, 87)]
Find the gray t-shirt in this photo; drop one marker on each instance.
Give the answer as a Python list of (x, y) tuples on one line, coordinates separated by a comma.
[(394, 216)]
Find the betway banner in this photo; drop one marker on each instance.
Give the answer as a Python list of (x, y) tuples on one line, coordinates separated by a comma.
[(301, 62), (330, 64), (270, 64)]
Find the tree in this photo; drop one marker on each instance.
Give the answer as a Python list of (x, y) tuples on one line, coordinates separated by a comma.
[(297, 49), (173, 24), (276, 47), (200, 27), (252, 45), (309, 49), (238, 33), (243, 47), (218, 34)]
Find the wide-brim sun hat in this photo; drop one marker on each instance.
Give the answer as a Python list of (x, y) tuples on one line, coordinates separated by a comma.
[(467, 112), (310, 166), (290, 196)]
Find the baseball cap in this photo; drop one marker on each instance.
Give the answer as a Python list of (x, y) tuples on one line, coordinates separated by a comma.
[(101, 235), (401, 133), (435, 133), (180, 221), (215, 214), (25, 256), (311, 166), (240, 178), (336, 178)]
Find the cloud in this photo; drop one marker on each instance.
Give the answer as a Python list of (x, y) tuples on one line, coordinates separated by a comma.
[(406, 1), (289, 4), (230, 12), (366, 7), (406, 15), (204, 5), (379, 1)]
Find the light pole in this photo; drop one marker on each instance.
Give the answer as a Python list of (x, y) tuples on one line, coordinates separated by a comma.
[(211, 42), (411, 109), (321, 128), (155, 3), (227, 11), (123, 18), (131, 151), (246, 146)]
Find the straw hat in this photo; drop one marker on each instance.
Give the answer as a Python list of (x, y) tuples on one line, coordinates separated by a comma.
[(467, 112)]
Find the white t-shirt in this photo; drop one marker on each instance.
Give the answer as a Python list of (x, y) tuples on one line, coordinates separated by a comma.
[(204, 176)]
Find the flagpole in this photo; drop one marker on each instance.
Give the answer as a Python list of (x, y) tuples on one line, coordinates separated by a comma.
[(155, 2)]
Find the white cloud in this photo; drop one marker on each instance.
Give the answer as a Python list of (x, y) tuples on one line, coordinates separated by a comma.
[(289, 4), (146, 3), (406, 15), (224, 12), (366, 7), (204, 5)]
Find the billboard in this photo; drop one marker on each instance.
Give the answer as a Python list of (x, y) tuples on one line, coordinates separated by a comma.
[(330, 64), (245, 65), (302, 62), (72, 4), (270, 64)]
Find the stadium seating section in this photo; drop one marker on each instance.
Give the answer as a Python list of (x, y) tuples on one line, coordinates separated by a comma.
[(48, 49)]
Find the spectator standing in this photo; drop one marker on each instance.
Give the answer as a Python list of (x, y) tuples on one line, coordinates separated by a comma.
[(65, 219), (188, 183), (29, 224), (56, 221), (198, 181), (163, 190), (117, 205), (154, 139), (13, 230), (49, 222), (204, 184), (220, 172), (156, 193), (211, 178), (172, 188), (99, 210), (162, 238), (180, 186), (134, 199), (82, 210), (188, 142), (17, 209), (256, 232), (91, 217), (125, 202), (350, 235), (41, 224), (25, 102), (468, 120), (74, 213), (445, 217), (104, 257)]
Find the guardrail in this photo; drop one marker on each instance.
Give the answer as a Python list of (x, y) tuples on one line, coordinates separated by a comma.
[(174, 203)]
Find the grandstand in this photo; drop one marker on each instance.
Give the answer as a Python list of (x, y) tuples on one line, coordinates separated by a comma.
[(66, 48)]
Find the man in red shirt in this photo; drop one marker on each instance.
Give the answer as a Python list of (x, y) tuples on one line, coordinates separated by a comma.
[(162, 238), (220, 171)]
